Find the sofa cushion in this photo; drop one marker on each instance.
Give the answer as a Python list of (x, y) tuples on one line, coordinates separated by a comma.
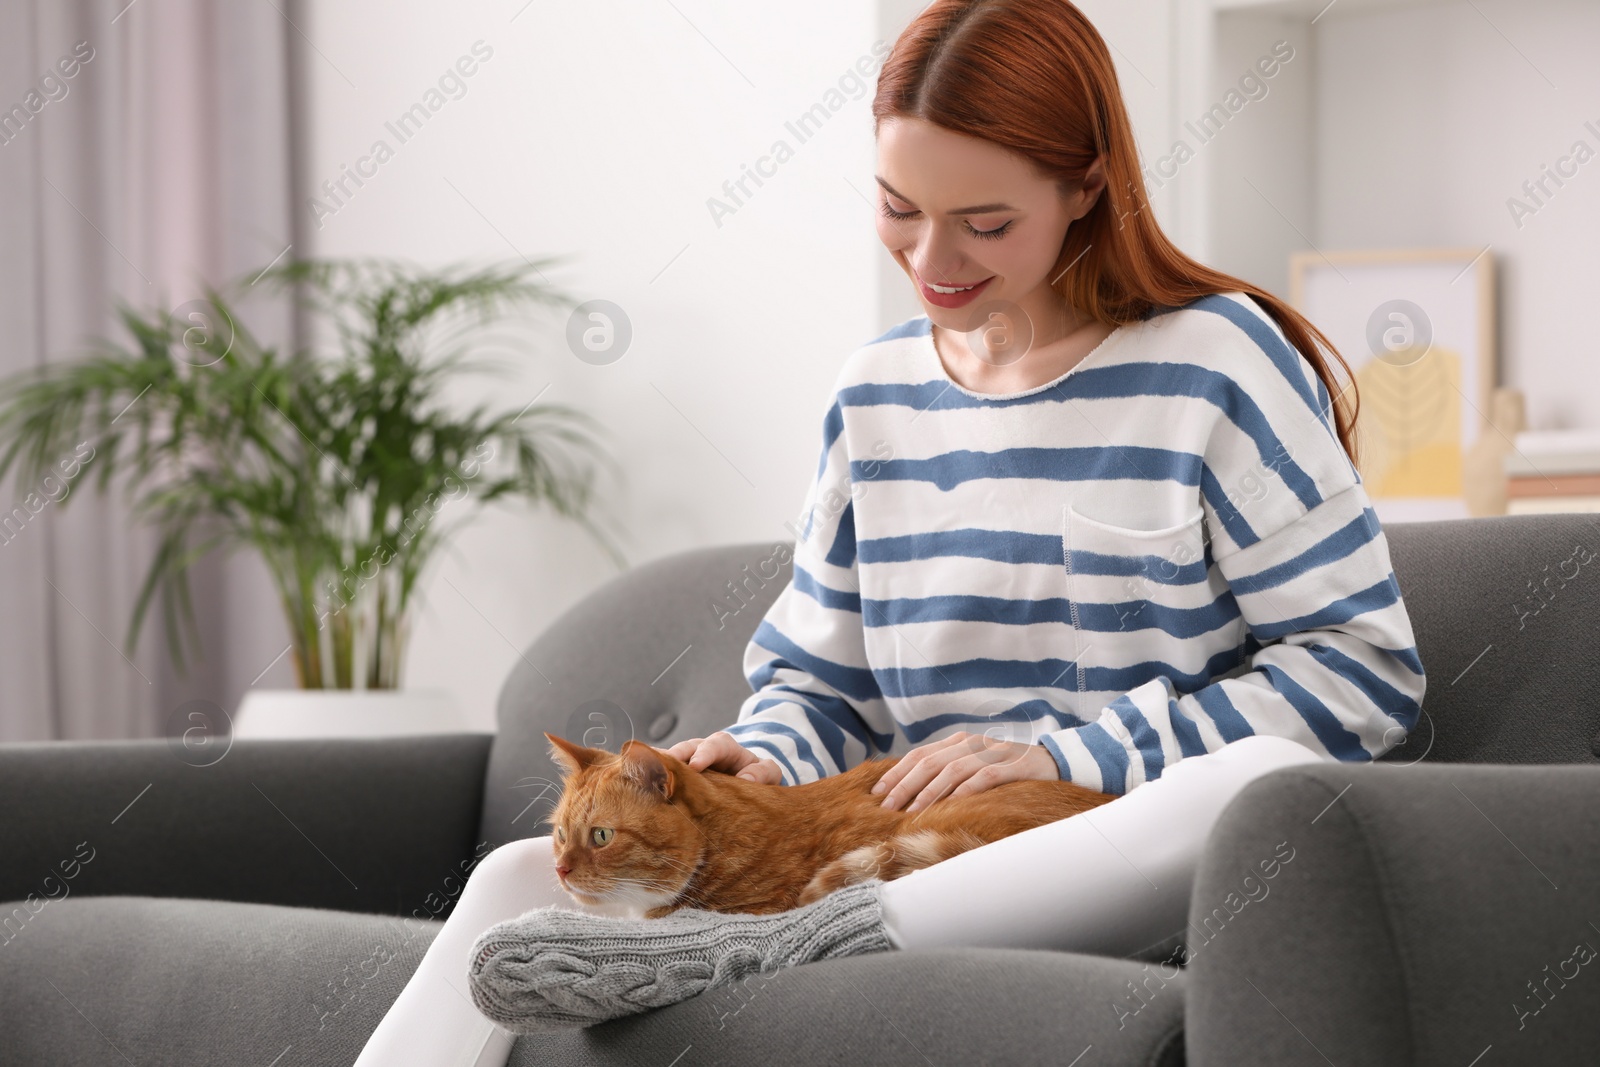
[(1506, 613), (110, 980), (654, 654), (115, 980), (912, 1007)]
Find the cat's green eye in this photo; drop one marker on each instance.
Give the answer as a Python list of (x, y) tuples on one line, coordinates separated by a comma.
[(561, 835), (602, 834)]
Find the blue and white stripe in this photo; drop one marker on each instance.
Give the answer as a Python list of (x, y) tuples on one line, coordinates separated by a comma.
[(1162, 551)]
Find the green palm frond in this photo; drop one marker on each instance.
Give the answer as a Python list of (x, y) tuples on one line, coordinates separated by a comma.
[(331, 469)]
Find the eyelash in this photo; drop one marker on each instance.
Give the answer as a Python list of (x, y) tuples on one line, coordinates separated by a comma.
[(987, 235)]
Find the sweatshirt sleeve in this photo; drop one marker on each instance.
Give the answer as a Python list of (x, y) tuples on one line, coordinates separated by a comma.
[(816, 709), (1331, 661)]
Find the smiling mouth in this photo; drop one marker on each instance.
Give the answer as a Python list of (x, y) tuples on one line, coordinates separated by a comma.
[(952, 288)]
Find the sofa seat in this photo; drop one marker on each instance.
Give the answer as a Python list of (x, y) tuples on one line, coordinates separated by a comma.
[(125, 979), (995, 1006), (146, 980)]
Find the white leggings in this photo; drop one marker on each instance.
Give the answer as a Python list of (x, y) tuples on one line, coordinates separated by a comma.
[(1112, 881)]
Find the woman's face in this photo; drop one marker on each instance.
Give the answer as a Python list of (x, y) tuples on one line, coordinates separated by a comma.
[(958, 212)]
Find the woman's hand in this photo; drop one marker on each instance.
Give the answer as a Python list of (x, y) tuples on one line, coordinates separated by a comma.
[(720, 752), (960, 765)]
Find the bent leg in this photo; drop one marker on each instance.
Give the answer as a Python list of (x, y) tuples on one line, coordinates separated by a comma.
[(434, 1022), (1114, 880)]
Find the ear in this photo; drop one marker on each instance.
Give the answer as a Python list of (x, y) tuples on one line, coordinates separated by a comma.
[(569, 757), (643, 765), (1089, 191)]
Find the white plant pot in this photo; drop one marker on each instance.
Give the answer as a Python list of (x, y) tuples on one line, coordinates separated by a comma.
[(302, 713)]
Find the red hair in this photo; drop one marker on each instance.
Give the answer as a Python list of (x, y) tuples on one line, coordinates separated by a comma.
[(1035, 76)]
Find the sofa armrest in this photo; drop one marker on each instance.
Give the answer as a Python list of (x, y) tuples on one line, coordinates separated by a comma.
[(370, 825), (1418, 914)]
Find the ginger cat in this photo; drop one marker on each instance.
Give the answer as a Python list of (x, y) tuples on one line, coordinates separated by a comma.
[(644, 830)]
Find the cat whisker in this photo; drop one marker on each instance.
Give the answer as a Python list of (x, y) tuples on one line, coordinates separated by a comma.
[(687, 868), (647, 883)]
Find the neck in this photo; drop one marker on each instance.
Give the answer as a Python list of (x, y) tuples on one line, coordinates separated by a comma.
[(1039, 362)]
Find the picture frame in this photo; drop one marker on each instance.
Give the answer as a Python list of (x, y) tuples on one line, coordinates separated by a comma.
[(1417, 327)]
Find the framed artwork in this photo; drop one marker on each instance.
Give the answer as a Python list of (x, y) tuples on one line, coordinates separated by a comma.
[(1417, 327)]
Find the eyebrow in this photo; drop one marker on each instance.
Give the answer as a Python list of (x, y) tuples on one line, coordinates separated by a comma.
[(978, 209)]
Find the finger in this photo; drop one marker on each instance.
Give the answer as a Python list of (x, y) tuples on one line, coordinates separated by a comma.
[(909, 763), (953, 774), (903, 766), (889, 778), (733, 750), (896, 774), (727, 754), (985, 776), (765, 771), (723, 753), (924, 770), (941, 784)]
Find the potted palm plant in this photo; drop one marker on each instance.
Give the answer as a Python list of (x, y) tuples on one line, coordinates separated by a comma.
[(339, 471)]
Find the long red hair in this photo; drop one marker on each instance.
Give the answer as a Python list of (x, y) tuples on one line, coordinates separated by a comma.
[(1035, 76)]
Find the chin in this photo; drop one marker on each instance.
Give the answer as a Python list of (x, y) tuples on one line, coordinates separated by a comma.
[(626, 903)]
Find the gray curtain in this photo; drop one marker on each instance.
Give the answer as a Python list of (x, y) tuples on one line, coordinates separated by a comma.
[(144, 148)]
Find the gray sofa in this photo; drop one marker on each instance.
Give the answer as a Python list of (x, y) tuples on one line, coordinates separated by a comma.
[(1441, 906)]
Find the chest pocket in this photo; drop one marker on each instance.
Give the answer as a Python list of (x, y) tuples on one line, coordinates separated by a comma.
[(1138, 597)]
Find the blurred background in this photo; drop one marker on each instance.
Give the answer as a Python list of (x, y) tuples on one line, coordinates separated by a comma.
[(629, 151)]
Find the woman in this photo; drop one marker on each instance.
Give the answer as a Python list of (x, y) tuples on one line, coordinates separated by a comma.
[(1093, 517)]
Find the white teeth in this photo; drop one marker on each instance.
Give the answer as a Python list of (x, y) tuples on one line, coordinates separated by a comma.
[(947, 289)]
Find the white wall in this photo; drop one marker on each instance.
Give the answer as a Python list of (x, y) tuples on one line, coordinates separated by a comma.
[(1260, 202), (598, 132), (1400, 124), (1429, 120)]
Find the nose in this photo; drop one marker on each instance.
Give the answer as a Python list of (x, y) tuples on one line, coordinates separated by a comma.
[(562, 870), (930, 273)]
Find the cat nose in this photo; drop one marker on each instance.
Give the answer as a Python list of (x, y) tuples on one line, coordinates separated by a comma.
[(562, 871)]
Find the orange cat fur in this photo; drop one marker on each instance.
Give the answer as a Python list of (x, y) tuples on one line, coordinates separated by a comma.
[(676, 837)]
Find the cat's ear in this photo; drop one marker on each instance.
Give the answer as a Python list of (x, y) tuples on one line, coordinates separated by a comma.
[(569, 757), (643, 765)]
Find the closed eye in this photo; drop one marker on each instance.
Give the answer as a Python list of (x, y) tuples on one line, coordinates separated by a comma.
[(988, 235)]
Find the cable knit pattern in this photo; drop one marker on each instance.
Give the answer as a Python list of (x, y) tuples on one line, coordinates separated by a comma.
[(554, 968)]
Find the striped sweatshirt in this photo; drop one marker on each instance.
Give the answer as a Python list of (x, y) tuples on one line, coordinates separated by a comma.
[(1161, 551)]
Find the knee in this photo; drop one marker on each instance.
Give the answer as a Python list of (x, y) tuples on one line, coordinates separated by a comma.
[(516, 861)]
